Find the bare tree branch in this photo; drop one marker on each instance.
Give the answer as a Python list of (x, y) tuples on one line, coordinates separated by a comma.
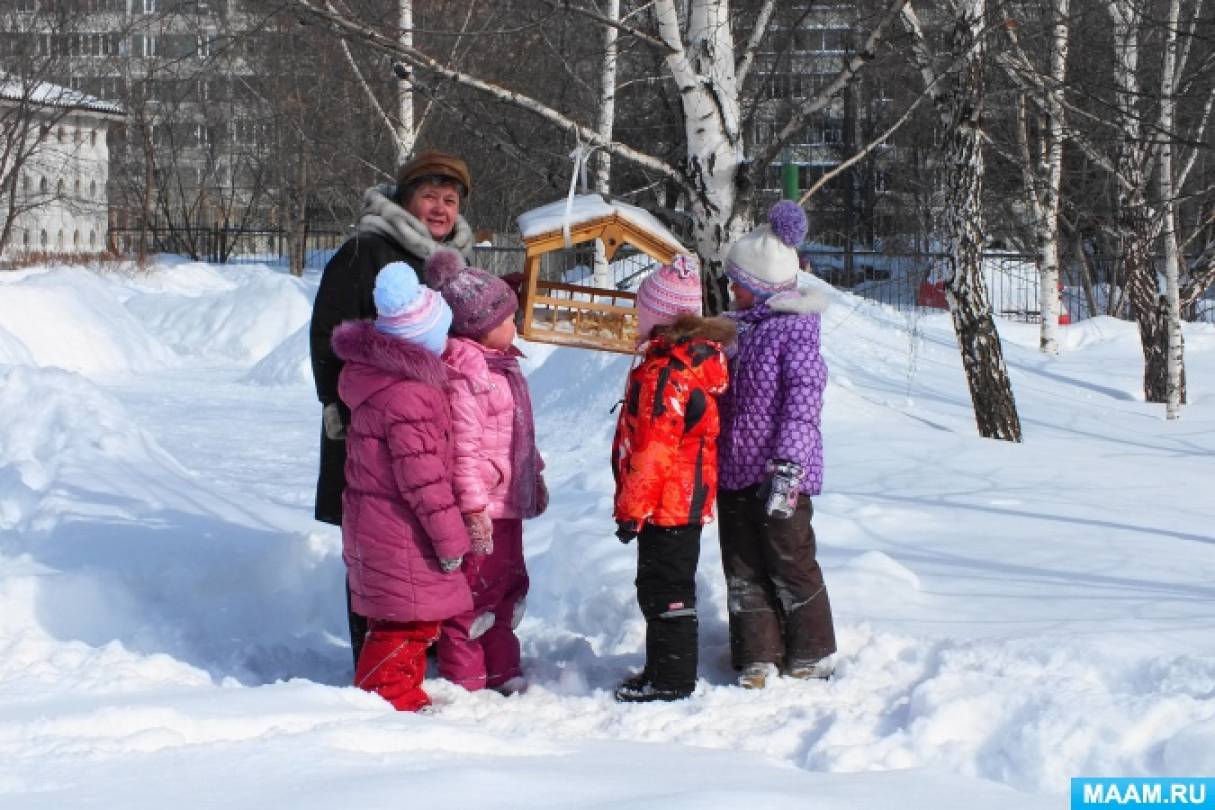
[(854, 65), (624, 28), (422, 61), (757, 36)]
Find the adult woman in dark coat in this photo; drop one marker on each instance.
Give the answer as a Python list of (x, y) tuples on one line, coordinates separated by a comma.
[(405, 221)]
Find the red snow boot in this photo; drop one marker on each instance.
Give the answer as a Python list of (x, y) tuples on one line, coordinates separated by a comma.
[(393, 662)]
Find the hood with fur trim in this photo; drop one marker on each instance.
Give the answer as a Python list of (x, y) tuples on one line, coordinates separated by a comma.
[(383, 216), (806, 301), (377, 360), (688, 327)]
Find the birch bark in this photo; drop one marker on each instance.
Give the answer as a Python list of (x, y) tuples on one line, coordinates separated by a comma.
[(605, 123), (1164, 175), (959, 99), (406, 135)]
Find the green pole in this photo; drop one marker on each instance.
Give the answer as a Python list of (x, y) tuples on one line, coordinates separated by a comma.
[(788, 176)]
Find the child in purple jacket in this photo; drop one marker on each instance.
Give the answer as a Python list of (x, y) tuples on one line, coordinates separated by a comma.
[(771, 461)]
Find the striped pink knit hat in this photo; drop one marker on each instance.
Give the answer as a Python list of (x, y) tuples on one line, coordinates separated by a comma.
[(670, 291)]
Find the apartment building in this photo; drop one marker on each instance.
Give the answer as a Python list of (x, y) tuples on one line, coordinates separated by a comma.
[(57, 175)]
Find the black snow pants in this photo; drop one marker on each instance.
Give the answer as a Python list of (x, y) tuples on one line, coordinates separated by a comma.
[(666, 593), (776, 597)]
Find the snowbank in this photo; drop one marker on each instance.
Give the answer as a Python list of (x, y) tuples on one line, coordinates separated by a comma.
[(242, 323), (288, 363), (74, 319)]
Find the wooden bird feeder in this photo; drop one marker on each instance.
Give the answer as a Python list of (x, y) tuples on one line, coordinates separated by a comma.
[(586, 316)]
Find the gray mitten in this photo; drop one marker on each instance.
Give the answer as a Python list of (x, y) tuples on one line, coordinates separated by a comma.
[(449, 564), (331, 417), (783, 488)]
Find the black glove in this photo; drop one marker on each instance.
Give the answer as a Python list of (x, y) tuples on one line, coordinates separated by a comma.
[(626, 530)]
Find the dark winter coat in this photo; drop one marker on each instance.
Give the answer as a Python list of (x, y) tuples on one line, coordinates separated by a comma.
[(775, 401), (399, 514), (387, 233), (664, 455)]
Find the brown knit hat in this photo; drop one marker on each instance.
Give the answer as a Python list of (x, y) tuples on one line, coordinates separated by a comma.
[(433, 163)]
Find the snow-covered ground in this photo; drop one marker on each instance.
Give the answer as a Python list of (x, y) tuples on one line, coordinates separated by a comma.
[(172, 620)]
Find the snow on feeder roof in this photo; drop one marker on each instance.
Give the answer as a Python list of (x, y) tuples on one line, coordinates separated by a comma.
[(587, 316), (590, 211)]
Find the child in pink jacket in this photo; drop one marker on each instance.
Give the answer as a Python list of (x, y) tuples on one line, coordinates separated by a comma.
[(497, 472), (403, 538)]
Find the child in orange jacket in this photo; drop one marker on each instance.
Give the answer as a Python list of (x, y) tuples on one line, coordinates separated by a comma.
[(664, 458)]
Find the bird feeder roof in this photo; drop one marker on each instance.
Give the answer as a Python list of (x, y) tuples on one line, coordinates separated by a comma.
[(592, 217)]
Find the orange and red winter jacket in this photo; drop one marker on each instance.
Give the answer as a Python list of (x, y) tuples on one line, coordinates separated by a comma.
[(664, 455)]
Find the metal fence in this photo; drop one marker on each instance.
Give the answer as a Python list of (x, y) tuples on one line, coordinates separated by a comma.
[(907, 281), (903, 281), (226, 245)]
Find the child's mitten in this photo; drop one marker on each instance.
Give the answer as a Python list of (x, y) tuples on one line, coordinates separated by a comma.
[(541, 496), (480, 532), (626, 530), (783, 488), (449, 564), (331, 416)]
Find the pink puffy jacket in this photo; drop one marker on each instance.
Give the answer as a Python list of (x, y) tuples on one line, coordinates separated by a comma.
[(483, 412), (399, 515)]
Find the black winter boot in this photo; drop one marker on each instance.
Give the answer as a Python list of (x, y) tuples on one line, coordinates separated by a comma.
[(639, 689), (671, 654)]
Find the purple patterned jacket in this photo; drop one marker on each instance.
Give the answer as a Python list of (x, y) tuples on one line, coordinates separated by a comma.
[(773, 406)]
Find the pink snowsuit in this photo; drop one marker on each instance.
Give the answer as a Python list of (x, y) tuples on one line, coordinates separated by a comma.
[(399, 515), (483, 414)]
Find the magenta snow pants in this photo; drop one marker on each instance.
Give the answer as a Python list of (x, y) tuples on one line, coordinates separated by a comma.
[(499, 583)]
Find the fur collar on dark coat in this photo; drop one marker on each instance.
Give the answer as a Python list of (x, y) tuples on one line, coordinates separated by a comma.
[(359, 342), (384, 216)]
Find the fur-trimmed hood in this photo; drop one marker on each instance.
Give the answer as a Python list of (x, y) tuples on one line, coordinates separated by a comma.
[(688, 327), (697, 344), (804, 301), (383, 216), (372, 354)]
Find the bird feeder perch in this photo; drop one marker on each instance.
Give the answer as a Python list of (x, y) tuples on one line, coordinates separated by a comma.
[(586, 316)]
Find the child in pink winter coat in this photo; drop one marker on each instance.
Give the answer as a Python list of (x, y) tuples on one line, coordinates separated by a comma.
[(402, 535), (496, 476)]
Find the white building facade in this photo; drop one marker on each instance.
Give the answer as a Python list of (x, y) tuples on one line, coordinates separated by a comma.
[(59, 194)]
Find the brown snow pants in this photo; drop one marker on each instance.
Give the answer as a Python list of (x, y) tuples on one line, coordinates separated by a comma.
[(776, 598)]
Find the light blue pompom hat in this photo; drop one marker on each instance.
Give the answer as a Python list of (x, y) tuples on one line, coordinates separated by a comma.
[(410, 311)]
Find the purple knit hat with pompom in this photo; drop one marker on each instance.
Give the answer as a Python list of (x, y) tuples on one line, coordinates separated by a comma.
[(479, 300), (765, 261)]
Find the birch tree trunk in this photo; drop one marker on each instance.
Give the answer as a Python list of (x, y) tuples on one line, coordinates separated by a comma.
[(405, 129), (604, 124), (1137, 222), (962, 181), (1164, 175), (1051, 171), (704, 73), (958, 96)]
